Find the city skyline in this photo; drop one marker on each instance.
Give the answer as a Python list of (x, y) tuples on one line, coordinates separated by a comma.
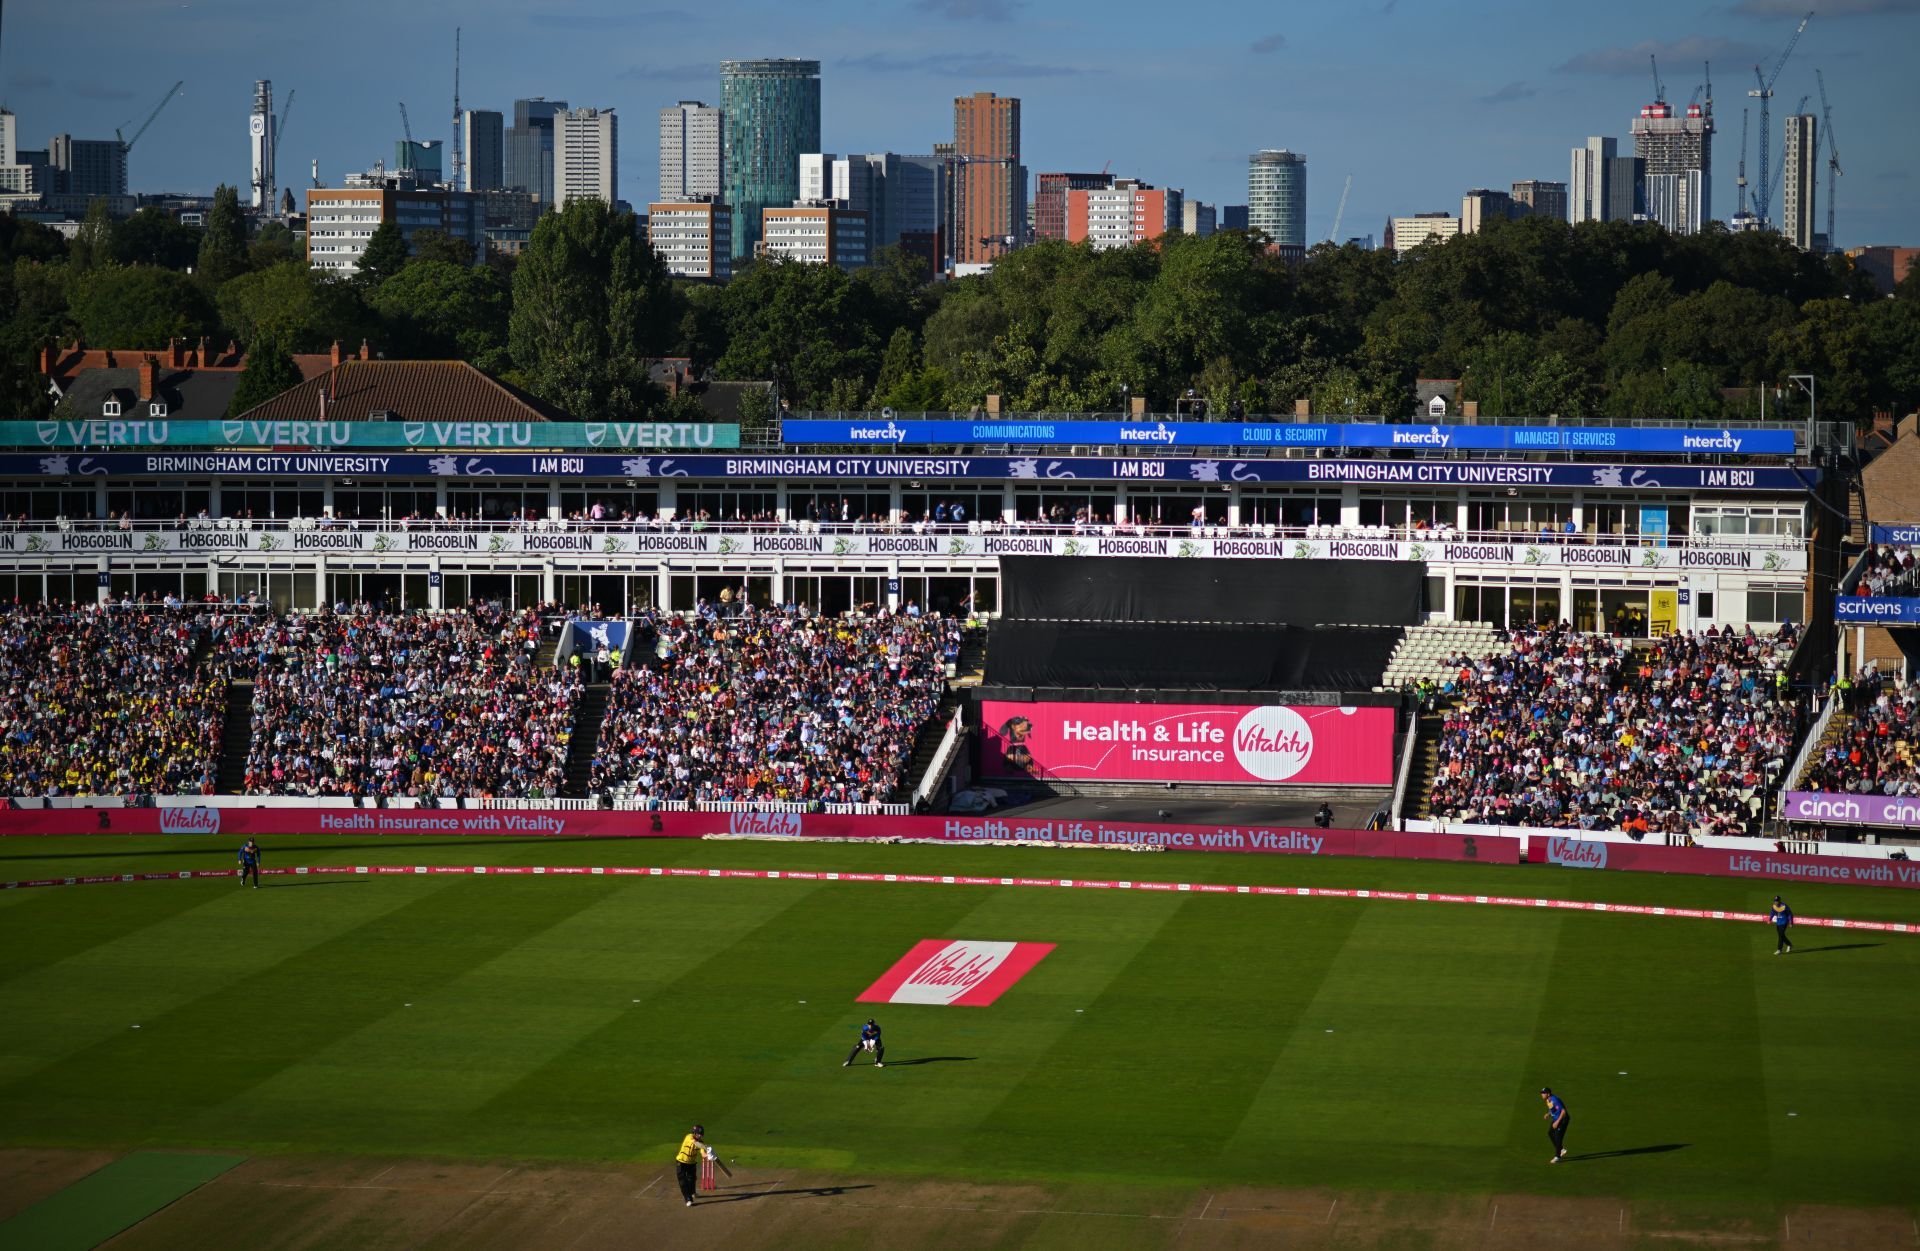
[(1339, 87)]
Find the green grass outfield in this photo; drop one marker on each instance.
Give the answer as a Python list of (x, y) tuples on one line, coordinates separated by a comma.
[(1209, 1040)]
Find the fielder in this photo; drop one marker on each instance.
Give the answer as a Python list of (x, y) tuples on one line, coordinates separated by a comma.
[(686, 1161), (1781, 919), (1558, 1118), (869, 1041), (250, 863)]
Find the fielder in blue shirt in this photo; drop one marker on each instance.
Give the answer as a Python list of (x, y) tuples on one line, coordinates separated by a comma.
[(250, 863), (1782, 919), (869, 1041), (1558, 1118)]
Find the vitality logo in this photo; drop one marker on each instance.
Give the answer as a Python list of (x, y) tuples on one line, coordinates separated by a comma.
[(962, 972)]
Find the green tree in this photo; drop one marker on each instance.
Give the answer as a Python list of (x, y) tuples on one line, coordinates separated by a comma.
[(150, 237), (276, 303), (590, 304), (386, 255), (139, 307), (92, 244), (223, 245), (29, 240), (269, 371), (445, 310), (273, 244), (37, 295), (809, 328), (440, 247)]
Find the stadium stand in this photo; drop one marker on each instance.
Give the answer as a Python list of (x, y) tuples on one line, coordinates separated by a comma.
[(1889, 570), (105, 700), (775, 705), (1873, 747), (1565, 730), (416, 704)]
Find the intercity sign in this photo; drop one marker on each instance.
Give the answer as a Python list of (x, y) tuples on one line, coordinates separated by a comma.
[(886, 431), (479, 435)]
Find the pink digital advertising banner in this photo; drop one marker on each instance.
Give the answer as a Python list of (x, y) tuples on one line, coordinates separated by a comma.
[(1254, 745)]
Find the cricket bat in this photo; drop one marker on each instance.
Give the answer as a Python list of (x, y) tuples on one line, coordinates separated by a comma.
[(723, 1167)]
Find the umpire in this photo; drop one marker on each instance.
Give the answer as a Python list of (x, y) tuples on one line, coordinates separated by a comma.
[(686, 1162)]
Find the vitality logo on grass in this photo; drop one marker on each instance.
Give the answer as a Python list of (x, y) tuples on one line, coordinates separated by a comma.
[(960, 972)]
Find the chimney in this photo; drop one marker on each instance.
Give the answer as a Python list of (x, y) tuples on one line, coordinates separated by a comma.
[(1470, 408), (366, 353), (174, 360), (46, 360), (1303, 408), (337, 354), (149, 377), (205, 360), (232, 353)]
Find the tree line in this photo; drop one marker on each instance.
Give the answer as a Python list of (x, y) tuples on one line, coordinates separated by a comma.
[(1533, 317)]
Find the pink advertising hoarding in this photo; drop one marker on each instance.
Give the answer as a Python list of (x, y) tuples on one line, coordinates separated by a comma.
[(1250, 744)]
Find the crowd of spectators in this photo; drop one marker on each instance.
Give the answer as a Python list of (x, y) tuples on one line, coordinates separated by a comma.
[(109, 699), (426, 705), (752, 703), (1889, 570), (1877, 752), (1567, 730)]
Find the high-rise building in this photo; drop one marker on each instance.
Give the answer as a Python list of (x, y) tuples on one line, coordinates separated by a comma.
[(1626, 189), (529, 148), (691, 137), (1678, 152), (692, 237), (1050, 200), (1587, 198), (340, 220), (586, 156), (1233, 217), (1122, 215), (1197, 219), (814, 234), (772, 115), (1541, 199), (483, 134), (1480, 206), (1404, 234), (1799, 179), (1277, 196), (260, 136), (426, 158), (990, 183), (20, 178), (920, 216), (89, 167)]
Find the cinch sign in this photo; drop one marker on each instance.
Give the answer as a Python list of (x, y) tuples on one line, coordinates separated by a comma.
[(955, 972), (1250, 744)]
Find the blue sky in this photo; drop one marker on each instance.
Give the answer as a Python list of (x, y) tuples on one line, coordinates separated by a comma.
[(1417, 100)]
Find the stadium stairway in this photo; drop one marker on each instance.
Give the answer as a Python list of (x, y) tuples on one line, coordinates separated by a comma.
[(1426, 758), (236, 736), (588, 713), (1836, 730)]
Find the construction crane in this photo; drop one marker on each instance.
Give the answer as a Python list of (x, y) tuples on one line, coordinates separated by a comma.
[(459, 143), (280, 127), (1763, 198), (126, 145), (1659, 88), (406, 166), (1833, 157), (1333, 236)]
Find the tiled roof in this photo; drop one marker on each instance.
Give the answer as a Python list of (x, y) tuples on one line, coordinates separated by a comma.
[(189, 394), (409, 390)]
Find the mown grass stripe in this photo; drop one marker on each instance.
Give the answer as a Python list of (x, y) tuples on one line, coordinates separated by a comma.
[(115, 1198)]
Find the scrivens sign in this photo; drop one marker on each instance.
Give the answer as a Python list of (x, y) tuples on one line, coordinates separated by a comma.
[(1156, 471)]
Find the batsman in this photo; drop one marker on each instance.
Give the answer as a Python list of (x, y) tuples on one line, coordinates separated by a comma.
[(693, 1159)]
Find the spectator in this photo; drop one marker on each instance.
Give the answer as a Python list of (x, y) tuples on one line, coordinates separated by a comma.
[(771, 704)]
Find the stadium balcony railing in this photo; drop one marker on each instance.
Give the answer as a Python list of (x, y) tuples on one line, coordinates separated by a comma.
[(1150, 529)]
